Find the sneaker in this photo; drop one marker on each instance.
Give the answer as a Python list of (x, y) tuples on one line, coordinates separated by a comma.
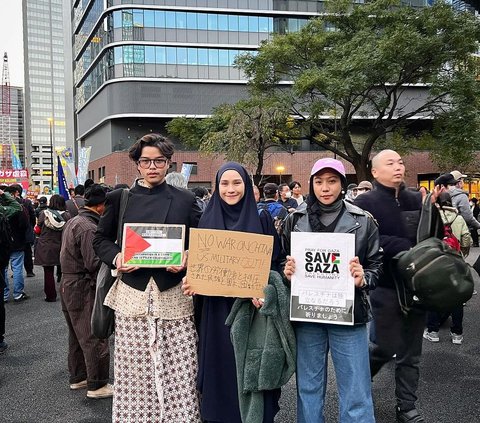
[(3, 347), (103, 392), (474, 292), (78, 385), (30, 275), (431, 336), (411, 416), (456, 339), (22, 297)]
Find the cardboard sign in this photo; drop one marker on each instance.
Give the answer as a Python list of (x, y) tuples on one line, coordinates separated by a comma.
[(323, 290), (152, 245), (229, 263)]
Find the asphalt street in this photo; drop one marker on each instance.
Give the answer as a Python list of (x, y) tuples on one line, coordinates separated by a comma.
[(34, 378)]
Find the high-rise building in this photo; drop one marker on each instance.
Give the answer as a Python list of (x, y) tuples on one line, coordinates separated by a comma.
[(138, 65), (472, 6), (12, 127), (48, 118)]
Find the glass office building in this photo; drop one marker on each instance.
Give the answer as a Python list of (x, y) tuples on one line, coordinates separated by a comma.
[(137, 64), (48, 115)]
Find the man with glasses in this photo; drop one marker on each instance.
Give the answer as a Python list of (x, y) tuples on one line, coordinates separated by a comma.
[(153, 319)]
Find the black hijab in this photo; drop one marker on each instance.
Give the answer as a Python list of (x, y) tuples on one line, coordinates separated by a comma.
[(242, 217)]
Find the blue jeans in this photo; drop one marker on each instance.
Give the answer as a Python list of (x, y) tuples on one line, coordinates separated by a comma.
[(16, 262), (349, 350)]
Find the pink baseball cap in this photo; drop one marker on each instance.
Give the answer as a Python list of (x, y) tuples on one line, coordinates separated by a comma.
[(328, 163)]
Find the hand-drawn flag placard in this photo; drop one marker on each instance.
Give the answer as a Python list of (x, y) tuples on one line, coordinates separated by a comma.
[(152, 245)]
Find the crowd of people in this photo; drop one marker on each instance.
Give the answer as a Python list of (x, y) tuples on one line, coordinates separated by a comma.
[(175, 359)]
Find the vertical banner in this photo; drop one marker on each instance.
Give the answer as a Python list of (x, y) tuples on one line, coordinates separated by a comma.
[(187, 170), (62, 182), (16, 163), (83, 160), (66, 159)]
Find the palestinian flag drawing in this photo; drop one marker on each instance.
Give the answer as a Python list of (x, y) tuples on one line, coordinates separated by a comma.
[(153, 245), (335, 258)]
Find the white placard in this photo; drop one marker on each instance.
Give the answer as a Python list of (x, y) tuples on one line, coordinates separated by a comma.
[(323, 290)]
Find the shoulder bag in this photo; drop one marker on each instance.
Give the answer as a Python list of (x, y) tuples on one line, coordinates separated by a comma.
[(103, 317), (431, 275)]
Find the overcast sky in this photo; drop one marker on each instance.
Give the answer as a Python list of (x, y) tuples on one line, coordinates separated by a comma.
[(11, 39)]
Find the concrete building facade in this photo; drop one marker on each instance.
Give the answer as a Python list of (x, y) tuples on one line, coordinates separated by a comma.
[(48, 115)]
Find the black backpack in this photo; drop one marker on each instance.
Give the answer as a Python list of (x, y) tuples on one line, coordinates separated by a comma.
[(431, 276)]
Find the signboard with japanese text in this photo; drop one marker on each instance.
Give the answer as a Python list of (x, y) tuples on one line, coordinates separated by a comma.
[(229, 263), (152, 245), (323, 289), (14, 176)]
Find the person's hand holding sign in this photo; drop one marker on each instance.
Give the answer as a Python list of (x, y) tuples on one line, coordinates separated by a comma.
[(186, 289), (356, 270), (177, 269), (121, 268), (289, 269)]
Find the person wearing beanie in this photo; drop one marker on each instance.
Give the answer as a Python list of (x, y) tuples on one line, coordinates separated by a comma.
[(327, 212), (88, 356)]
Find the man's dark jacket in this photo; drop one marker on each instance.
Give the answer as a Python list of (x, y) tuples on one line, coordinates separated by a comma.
[(397, 217), (160, 204)]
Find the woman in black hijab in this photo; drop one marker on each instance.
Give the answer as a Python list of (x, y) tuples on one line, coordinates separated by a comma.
[(232, 207)]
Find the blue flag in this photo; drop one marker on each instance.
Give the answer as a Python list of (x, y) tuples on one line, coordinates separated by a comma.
[(62, 182)]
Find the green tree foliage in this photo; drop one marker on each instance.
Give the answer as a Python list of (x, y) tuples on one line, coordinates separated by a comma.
[(358, 62), (241, 132)]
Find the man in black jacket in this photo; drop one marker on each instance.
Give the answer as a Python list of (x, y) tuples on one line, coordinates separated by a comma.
[(16, 190), (153, 319), (20, 225), (8, 208), (397, 211)]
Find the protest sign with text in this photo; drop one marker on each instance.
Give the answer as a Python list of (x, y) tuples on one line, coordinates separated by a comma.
[(322, 288), (152, 244), (229, 263)]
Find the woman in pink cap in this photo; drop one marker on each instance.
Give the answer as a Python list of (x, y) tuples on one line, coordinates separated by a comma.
[(327, 212)]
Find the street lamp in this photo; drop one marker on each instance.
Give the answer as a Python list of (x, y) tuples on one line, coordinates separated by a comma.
[(280, 170), (50, 124)]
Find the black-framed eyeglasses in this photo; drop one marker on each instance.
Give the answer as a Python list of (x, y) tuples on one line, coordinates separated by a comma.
[(146, 163)]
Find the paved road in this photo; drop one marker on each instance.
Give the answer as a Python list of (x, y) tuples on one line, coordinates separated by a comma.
[(34, 378)]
